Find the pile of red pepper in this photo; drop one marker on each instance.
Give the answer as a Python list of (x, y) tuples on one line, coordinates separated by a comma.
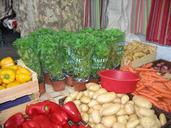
[(47, 114)]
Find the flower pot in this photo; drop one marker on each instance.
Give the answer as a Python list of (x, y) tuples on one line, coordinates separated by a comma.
[(69, 81), (42, 88), (94, 81), (58, 85), (47, 79), (79, 86)]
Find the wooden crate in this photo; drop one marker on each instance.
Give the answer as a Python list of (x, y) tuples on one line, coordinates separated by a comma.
[(141, 61), (5, 114), (144, 60), (28, 88)]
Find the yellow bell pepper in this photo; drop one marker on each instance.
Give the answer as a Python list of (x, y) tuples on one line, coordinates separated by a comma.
[(22, 78), (23, 75), (1, 87), (0, 81), (14, 67), (12, 84), (7, 75), (7, 61), (23, 70)]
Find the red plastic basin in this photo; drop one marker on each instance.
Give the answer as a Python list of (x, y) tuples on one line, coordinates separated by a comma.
[(118, 81)]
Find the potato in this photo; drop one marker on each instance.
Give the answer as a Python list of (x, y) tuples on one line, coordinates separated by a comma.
[(99, 126), (77, 102), (147, 122), (126, 116), (92, 103), (145, 112), (121, 112), (118, 125), (110, 110), (86, 93), (122, 119), (93, 87), (97, 107), (92, 125), (90, 110), (106, 97), (90, 120), (74, 95), (117, 100), (162, 119), (68, 99), (108, 121), (133, 117), (124, 99), (84, 108), (85, 99), (119, 95), (71, 97), (96, 116), (133, 123), (142, 102), (85, 117), (129, 108), (99, 92), (107, 104), (139, 126), (91, 94), (79, 95)]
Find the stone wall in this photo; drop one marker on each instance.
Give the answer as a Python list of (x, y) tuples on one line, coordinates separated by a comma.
[(56, 14)]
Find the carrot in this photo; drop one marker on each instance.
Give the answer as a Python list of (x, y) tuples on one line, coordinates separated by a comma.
[(140, 88), (144, 70), (168, 85), (153, 86), (149, 65), (148, 96)]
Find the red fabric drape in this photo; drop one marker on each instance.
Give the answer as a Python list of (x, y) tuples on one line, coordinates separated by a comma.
[(159, 24)]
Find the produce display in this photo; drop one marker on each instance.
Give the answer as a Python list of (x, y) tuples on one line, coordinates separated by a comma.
[(11, 74), (136, 50), (102, 109), (47, 114), (153, 86)]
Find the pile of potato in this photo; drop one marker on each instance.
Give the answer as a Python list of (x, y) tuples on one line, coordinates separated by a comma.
[(136, 50), (102, 109)]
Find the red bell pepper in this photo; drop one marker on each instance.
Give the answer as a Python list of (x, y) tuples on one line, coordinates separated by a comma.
[(15, 121), (74, 126), (59, 117), (66, 126), (37, 108), (72, 112), (53, 107), (44, 107), (44, 122), (30, 124)]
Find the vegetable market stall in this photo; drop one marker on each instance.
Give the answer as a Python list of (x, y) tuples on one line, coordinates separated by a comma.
[(81, 55)]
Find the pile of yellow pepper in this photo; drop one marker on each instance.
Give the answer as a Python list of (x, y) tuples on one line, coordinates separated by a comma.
[(11, 74)]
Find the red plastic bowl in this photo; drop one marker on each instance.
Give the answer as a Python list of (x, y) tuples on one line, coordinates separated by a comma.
[(118, 81)]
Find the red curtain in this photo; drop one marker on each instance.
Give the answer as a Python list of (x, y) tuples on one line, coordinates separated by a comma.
[(159, 24)]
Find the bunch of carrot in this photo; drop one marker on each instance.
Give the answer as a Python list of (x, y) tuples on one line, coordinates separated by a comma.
[(153, 86)]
